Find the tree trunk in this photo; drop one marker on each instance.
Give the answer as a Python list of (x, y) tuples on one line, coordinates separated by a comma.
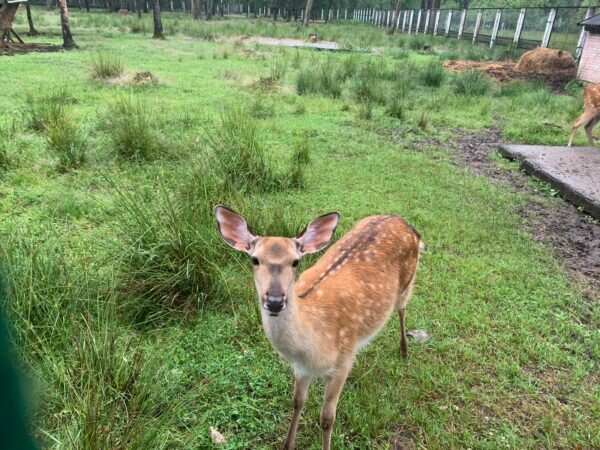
[(48, 5), (307, 11), (197, 5), (328, 11), (32, 30), (158, 28), (209, 7), (87, 5), (397, 10), (137, 9), (68, 42)]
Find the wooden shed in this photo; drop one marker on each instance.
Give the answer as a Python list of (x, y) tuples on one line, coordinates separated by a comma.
[(589, 64)]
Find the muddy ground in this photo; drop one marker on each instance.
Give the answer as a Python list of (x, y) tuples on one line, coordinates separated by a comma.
[(574, 236), (504, 72), (17, 48)]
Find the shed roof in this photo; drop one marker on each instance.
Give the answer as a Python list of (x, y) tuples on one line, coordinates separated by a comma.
[(591, 23)]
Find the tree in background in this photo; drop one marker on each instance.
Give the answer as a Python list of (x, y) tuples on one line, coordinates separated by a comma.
[(68, 42), (307, 12), (197, 5), (158, 28), (32, 31), (397, 9)]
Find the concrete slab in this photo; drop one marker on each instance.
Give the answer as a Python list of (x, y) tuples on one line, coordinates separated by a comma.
[(573, 171), (296, 43)]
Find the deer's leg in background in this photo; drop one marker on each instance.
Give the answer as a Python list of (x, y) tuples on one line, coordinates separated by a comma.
[(588, 129), (301, 385), (584, 118), (403, 338)]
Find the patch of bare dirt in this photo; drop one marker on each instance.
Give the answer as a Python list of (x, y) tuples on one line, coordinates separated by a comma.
[(404, 439), (573, 235), (506, 71), (21, 49)]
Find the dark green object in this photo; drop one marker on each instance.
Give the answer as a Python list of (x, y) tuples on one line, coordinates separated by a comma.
[(14, 430)]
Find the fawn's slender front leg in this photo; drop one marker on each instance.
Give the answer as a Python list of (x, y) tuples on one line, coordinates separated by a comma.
[(332, 395), (301, 385)]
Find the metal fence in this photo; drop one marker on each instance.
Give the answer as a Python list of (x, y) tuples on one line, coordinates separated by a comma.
[(519, 27)]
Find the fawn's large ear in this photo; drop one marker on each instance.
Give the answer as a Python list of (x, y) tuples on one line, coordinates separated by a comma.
[(318, 234), (233, 229)]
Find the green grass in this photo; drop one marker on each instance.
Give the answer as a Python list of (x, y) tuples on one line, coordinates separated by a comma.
[(103, 66), (140, 328)]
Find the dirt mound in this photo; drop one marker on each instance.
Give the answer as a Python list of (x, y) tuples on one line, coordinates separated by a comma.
[(506, 71), (546, 61), (141, 78)]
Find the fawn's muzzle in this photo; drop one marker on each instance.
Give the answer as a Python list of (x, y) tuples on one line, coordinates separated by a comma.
[(274, 303)]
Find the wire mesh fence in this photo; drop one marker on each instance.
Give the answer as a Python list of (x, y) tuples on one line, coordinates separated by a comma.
[(520, 27)]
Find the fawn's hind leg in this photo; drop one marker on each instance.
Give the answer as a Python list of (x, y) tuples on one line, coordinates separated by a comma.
[(401, 307)]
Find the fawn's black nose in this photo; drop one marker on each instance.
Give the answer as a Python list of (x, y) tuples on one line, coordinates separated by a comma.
[(275, 303)]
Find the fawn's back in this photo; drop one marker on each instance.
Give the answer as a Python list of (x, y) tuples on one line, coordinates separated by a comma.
[(349, 294)]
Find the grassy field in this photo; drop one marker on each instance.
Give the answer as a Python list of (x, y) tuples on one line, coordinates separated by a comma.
[(139, 328)]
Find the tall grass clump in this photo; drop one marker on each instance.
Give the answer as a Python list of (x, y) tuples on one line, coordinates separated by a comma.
[(132, 128), (238, 152), (471, 82), (432, 74), (369, 82), (299, 160), (65, 330), (278, 68), (173, 261), (106, 65), (326, 78), (395, 108), (41, 110), (68, 142), (5, 159)]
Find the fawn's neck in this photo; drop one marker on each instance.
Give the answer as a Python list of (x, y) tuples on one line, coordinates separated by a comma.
[(284, 331)]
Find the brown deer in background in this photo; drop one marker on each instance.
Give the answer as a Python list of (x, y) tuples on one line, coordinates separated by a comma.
[(320, 322), (591, 113)]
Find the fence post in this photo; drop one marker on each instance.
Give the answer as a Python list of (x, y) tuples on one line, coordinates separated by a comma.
[(448, 22), (477, 25), (404, 17), (496, 25), (412, 14), (426, 21), (437, 22), (461, 26), (581, 41), (549, 27), (388, 19), (418, 22), (519, 28)]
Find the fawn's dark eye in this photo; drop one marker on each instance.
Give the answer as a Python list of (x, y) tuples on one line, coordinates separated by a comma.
[(255, 261), (295, 263)]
